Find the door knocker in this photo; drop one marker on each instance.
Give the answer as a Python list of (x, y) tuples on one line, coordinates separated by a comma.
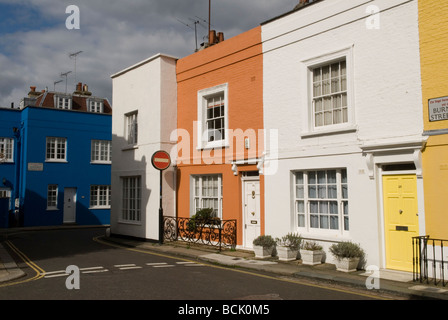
[(253, 194)]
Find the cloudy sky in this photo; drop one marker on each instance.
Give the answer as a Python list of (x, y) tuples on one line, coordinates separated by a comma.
[(35, 44)]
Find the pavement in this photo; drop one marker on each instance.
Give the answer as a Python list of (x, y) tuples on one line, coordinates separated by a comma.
[(390, 282)]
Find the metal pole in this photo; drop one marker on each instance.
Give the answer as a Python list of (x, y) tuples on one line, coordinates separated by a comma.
[(161, 211)]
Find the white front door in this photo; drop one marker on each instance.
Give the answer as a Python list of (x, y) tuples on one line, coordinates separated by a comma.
[(69, 205), (251, 212)]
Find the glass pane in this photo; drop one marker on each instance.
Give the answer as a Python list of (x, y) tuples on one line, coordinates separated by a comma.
[(318, 105), (322, 191), (324, 222), (299, 177), (314, 207), (332, 192), (314, 221), (345, 207), (331, 176), (328, 118), (334, 222), (300, 192), (312, 177), (312, 192), (300, 207), (333, 206), (319, 120), (346, 224), (344, 191), (301, 220), (323, 207), (321, 177)]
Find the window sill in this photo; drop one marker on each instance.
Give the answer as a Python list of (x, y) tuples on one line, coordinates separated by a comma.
[(214, 145), (99, 162), (130, 147), (134, 223), (99, 208), (56, 161), (52, 209), (329, 131)]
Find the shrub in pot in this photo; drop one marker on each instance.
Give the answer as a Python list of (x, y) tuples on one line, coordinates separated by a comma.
[(264, 246), (311, 253), (347, 255), (288, 247)]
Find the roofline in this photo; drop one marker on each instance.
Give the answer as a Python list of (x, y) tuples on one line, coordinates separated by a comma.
[(135, 66), (290, 12)]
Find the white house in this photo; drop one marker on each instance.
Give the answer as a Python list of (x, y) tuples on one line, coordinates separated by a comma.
[(145, 116), (342, 86)]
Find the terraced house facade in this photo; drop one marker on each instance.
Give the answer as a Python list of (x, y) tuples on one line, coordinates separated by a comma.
[(313, 123)]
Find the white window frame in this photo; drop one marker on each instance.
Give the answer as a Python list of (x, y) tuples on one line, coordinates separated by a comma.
[(304, 201), (63, 102), (7, 149), (100, 196), (202, 134), (131, 128), (95, 106), (52, 196), (308, 65), (198, 200), (101, 152), (56, 142), (131, 199)]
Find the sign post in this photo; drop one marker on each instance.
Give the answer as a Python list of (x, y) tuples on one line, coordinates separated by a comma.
[(161, 161)]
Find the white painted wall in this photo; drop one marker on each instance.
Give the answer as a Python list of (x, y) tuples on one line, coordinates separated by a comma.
[(150, 88), (386, 107)]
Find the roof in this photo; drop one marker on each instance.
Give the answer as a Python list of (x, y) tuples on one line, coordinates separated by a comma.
[(79, 102), (299, 7)]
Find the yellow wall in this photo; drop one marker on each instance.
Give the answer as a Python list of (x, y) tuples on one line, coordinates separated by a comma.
[(434, 67)]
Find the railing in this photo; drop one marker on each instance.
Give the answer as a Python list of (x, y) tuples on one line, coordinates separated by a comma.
[(430, 260), (215, 233)]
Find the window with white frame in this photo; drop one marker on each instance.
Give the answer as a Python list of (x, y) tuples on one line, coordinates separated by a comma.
[(52, 197), (131, 199), (100, 197), (56, 149), (96, 106), (330, 104), (6, 150), (63, 102), (213, 117), (101, 151), (5, 193), (207, 194), (131, 127), (321, 199)]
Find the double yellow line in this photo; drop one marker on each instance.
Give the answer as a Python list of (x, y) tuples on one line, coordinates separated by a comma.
[(39, 271)]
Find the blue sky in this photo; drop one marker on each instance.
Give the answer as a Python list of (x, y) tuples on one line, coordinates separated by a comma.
[(35, 45)]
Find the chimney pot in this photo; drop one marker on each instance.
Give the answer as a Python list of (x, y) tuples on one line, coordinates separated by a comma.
[(220, 36), (33, 89), (212, 37)]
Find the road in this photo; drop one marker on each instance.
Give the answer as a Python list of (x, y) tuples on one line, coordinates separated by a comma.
[(118, 273)]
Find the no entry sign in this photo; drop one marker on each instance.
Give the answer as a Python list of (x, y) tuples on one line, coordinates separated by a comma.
[(161, 160)]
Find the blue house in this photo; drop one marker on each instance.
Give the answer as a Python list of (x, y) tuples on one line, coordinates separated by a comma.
[(56, 166)]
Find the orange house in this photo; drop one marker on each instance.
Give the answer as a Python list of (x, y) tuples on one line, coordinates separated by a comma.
[(220, 133)]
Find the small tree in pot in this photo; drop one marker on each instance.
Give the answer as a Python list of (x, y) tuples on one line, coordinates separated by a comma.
[(311, 253), (263, 246), (288, 247), (347, 255)]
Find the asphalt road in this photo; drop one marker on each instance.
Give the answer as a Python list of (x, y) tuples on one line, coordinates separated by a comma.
[(110, 273)]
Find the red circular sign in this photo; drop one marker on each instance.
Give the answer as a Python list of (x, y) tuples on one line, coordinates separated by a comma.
[(161, 160)]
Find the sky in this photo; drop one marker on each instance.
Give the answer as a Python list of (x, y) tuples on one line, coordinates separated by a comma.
[(35, 43)]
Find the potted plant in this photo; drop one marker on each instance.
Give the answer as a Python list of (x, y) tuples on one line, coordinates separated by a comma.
[(347, 255), (288, 247), (263, 246), (311, 253)]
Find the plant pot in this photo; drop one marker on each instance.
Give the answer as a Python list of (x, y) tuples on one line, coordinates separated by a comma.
[(311, 257), (286, 253), (347, 264), (263, 252)]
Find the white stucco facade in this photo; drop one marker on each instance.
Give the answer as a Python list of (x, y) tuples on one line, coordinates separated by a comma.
[(382, 123), (144, 117)]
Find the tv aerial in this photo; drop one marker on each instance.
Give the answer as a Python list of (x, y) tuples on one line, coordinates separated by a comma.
[(193, 25)]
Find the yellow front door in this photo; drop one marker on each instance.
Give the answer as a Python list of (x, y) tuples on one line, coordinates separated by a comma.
[(401, 219)]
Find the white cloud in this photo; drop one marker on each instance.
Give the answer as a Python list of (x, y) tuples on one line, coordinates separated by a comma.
[(113, 35)]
